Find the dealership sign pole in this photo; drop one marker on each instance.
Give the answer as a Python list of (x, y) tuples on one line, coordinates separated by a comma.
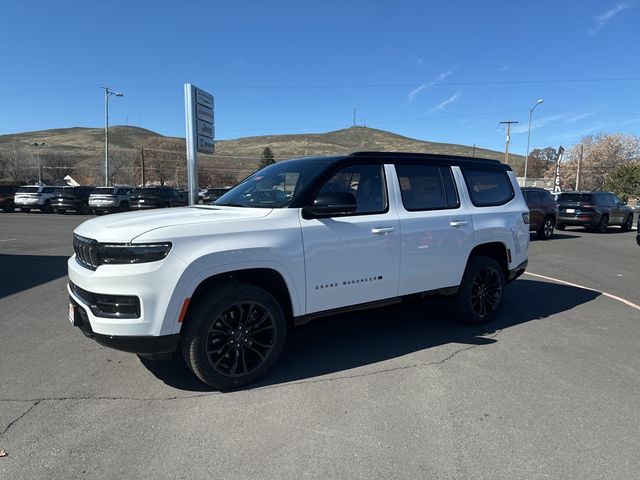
[(556, 187), (199, 107)]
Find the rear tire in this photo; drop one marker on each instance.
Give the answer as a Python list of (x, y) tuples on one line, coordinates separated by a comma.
[(233, 336), (9, 207), (603, 224), (628, 223), (25, 210), (481, 292), (46, 208), (546, 230)]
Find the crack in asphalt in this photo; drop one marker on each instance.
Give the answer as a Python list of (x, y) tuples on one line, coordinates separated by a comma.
[(35, 404), (37, 401)]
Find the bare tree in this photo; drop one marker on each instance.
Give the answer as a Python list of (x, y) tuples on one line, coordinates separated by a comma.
[(601, 155), (165, 160)]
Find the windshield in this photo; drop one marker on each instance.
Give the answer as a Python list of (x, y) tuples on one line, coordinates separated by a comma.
[(574, 197), (28, 190), (103, 191), (275, 186), (66, 190)]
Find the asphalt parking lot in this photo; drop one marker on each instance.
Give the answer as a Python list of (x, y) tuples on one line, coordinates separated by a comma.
[(550, 390)]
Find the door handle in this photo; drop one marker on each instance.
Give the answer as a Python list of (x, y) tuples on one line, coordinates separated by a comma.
[(458, 223), (381, 230)]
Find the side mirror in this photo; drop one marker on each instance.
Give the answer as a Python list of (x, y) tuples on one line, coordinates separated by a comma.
[(329, 204)]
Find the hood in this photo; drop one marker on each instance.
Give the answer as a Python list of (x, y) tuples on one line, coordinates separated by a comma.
[(125, 227)]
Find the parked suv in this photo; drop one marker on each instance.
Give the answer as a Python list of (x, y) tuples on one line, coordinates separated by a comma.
[(157, 197), (297, 240), (64, 199), (32, 197), (543, 211), (593, 210), (110, 199), (7, 193), (212, 194)]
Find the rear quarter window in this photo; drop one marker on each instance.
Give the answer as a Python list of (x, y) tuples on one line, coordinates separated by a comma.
[(488, 188)]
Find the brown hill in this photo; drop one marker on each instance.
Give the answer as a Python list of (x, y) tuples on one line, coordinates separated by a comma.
[(83, 147)]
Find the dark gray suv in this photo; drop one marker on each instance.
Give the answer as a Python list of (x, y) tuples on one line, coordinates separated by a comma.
[(543, 211), (593, 210)]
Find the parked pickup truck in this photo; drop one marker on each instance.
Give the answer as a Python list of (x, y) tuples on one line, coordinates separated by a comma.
[(296, 240)]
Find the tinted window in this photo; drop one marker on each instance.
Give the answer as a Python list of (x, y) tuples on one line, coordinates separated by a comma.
[(427, 187), (488, 187), (103, 191), (48, 189), (574, 197), (28, 190), (365, 182), (546, 197), (63, 190)]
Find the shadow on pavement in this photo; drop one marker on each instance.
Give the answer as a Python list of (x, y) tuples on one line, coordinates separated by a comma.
[(22, 272), (353, 340), (556, 236)]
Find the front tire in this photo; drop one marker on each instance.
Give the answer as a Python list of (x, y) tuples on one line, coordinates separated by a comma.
[(546, 230), (46, 208), (9, 207), (481, 292), (234, 336), (628, 223)]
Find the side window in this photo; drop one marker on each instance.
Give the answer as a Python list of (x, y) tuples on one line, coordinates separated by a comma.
[(427, 187), (365, 182), (488, 187), (615, 199)]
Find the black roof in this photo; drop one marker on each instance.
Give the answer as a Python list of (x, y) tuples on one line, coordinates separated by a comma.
[(408, 157)]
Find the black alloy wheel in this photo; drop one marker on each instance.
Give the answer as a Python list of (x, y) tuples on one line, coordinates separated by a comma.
[(9, 207), (546, 231), (628, 223), (46, 208), (481, 292), (603, 224), (234, 336)]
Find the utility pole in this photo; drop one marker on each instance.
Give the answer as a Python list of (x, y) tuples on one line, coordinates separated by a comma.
[(142, 164), (354, 115), (474, 151), (508, 123), (578, 171)]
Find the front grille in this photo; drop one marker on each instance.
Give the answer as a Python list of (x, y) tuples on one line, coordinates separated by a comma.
[(86, 251)]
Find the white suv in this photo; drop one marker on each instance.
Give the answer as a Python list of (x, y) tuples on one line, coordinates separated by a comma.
[(297, 240), (32, 197)]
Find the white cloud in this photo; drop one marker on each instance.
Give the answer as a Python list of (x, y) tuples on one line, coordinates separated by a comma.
[(439, 78), (448, 101), (606, 17), (539, 123), (577, 118)]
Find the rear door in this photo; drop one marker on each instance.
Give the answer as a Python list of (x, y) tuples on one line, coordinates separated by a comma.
[(437, 232)]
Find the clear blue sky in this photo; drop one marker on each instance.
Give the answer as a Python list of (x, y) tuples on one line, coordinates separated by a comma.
[(444, 71)]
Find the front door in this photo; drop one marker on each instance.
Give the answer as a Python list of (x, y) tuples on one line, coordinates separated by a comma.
[(354, 258)]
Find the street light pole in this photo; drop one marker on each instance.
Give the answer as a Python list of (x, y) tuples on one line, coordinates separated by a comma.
[(526, 159), (107, 93), (38, 145)]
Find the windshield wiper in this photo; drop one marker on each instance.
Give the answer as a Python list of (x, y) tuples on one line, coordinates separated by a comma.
[(229, 204)]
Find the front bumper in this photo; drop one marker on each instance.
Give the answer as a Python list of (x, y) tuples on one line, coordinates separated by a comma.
[(154, 285), (66, 204), (141, 345)]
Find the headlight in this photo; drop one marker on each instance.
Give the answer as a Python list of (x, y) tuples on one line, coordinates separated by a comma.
[(118, 254)]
